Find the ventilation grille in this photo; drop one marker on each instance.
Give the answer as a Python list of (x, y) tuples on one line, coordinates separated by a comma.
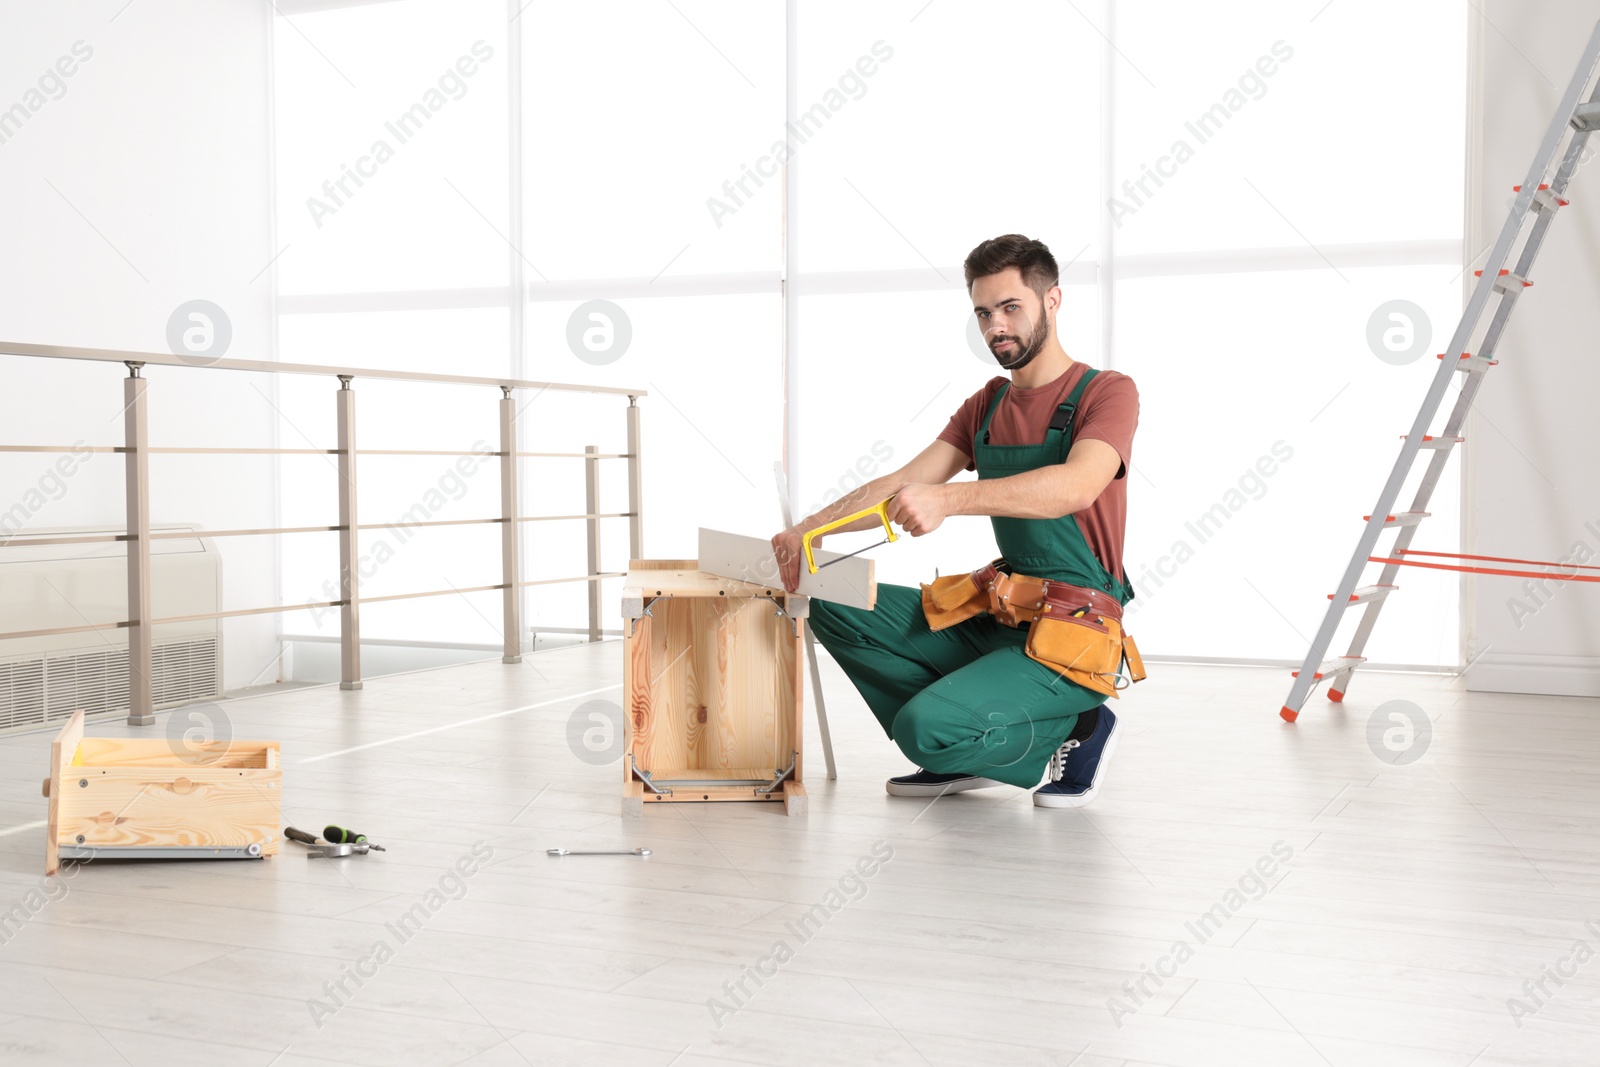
[(49, 688)]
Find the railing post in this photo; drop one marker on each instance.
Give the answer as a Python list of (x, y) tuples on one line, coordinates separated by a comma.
[(591, 495), (349, 542), (510, 530), (635, 484), (141, 708)]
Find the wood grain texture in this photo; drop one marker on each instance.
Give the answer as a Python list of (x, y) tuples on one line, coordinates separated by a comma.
[(159, 806), (710, 679), (63, 748), (137, 792), (718, 688), (160, 752)]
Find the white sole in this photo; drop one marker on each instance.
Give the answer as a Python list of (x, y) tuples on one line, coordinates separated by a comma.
[(1060, 800), (896, 789)]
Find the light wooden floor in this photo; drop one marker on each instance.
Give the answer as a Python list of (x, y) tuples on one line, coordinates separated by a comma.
[(1416, 903)]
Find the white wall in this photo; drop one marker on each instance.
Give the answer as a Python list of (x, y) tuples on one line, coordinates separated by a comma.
[(1533, 483), (134, 185)]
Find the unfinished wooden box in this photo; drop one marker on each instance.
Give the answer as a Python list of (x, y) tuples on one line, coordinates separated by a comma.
[(140, 799), (711, 677)]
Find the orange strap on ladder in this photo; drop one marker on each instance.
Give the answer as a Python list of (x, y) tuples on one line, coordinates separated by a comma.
[(1491, 570)]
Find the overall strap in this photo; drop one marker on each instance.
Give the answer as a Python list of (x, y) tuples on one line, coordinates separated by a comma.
[(1061, 421), (994, 405)]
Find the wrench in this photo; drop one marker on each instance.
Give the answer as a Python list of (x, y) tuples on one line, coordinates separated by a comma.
[(598, 852), (336, 851)]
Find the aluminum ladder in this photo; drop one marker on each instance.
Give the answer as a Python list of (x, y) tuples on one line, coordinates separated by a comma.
[(1576, 117)]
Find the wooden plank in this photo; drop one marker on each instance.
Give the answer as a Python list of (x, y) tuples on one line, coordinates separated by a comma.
[(62, 750), (750, 560), (704, 699), (795, 801), (663, 564), (691, 581), (683, 578), (797, 695), (719, 654), (157, 752), (635, 695), (751, 719), (713, 794), (157, 806)]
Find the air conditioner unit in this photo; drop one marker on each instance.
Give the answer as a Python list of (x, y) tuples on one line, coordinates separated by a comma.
[(45, 679)]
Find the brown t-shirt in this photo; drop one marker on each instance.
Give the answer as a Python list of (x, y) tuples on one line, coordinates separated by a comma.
[(1108, 411)]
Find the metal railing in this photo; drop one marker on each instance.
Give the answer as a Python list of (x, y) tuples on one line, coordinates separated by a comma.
[(140, 621)]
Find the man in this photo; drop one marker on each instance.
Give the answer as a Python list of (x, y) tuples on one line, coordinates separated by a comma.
[(972, 700)]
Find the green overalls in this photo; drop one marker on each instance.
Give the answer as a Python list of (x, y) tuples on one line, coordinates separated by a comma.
[(967, 699)]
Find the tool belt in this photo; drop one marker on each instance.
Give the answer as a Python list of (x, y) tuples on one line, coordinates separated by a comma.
[(1075, 630)]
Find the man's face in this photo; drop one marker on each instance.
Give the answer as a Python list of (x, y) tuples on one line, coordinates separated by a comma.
[(1012, 317)]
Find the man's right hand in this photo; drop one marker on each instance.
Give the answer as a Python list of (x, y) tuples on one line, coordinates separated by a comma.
[(786, 548)]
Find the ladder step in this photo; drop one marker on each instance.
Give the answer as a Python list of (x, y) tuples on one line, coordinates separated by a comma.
[(1404, 518), (1586, 117), (1337, 665), (1440, 443), (1365, 593), (1507, 282), (1472, 364), (1544, 200)]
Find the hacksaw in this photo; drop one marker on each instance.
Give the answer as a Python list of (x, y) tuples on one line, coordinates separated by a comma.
[(843, 578)]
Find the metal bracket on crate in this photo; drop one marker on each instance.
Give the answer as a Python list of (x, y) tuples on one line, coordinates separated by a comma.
[(780, 776), (782, 612), (759, 785), (157, 852), (633, 621), (644, 775)]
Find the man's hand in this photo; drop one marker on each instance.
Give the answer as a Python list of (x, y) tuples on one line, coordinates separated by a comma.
[(919, 509), (786, 547)]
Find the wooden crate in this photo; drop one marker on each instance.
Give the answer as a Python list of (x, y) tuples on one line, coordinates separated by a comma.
[(112, 797), (711, 677)]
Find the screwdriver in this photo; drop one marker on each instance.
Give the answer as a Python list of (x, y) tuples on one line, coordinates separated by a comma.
[(340, 836)]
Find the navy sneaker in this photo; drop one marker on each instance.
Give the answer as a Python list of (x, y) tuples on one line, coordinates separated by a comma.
[(928, 784), (1078, 767)]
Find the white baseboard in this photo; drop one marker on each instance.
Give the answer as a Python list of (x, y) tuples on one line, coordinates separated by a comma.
[(1563, 676)]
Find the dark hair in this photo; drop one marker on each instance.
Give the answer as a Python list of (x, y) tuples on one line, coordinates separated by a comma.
[(1032, 258)]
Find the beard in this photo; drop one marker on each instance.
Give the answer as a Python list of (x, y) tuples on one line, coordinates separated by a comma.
[(1025, 349)]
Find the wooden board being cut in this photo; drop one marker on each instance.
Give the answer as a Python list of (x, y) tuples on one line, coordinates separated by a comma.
[(750, 559)]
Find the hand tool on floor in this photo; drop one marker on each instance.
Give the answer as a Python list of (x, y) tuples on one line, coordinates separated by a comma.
[(880, 509), (324, 849), (339, 835), (597, 852)]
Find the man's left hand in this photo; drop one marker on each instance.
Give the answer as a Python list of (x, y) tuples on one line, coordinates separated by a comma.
[(919, 509)]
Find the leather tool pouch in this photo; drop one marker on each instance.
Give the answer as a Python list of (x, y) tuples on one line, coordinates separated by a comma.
[(1015, 598), (1088, 650), (952, 599)]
